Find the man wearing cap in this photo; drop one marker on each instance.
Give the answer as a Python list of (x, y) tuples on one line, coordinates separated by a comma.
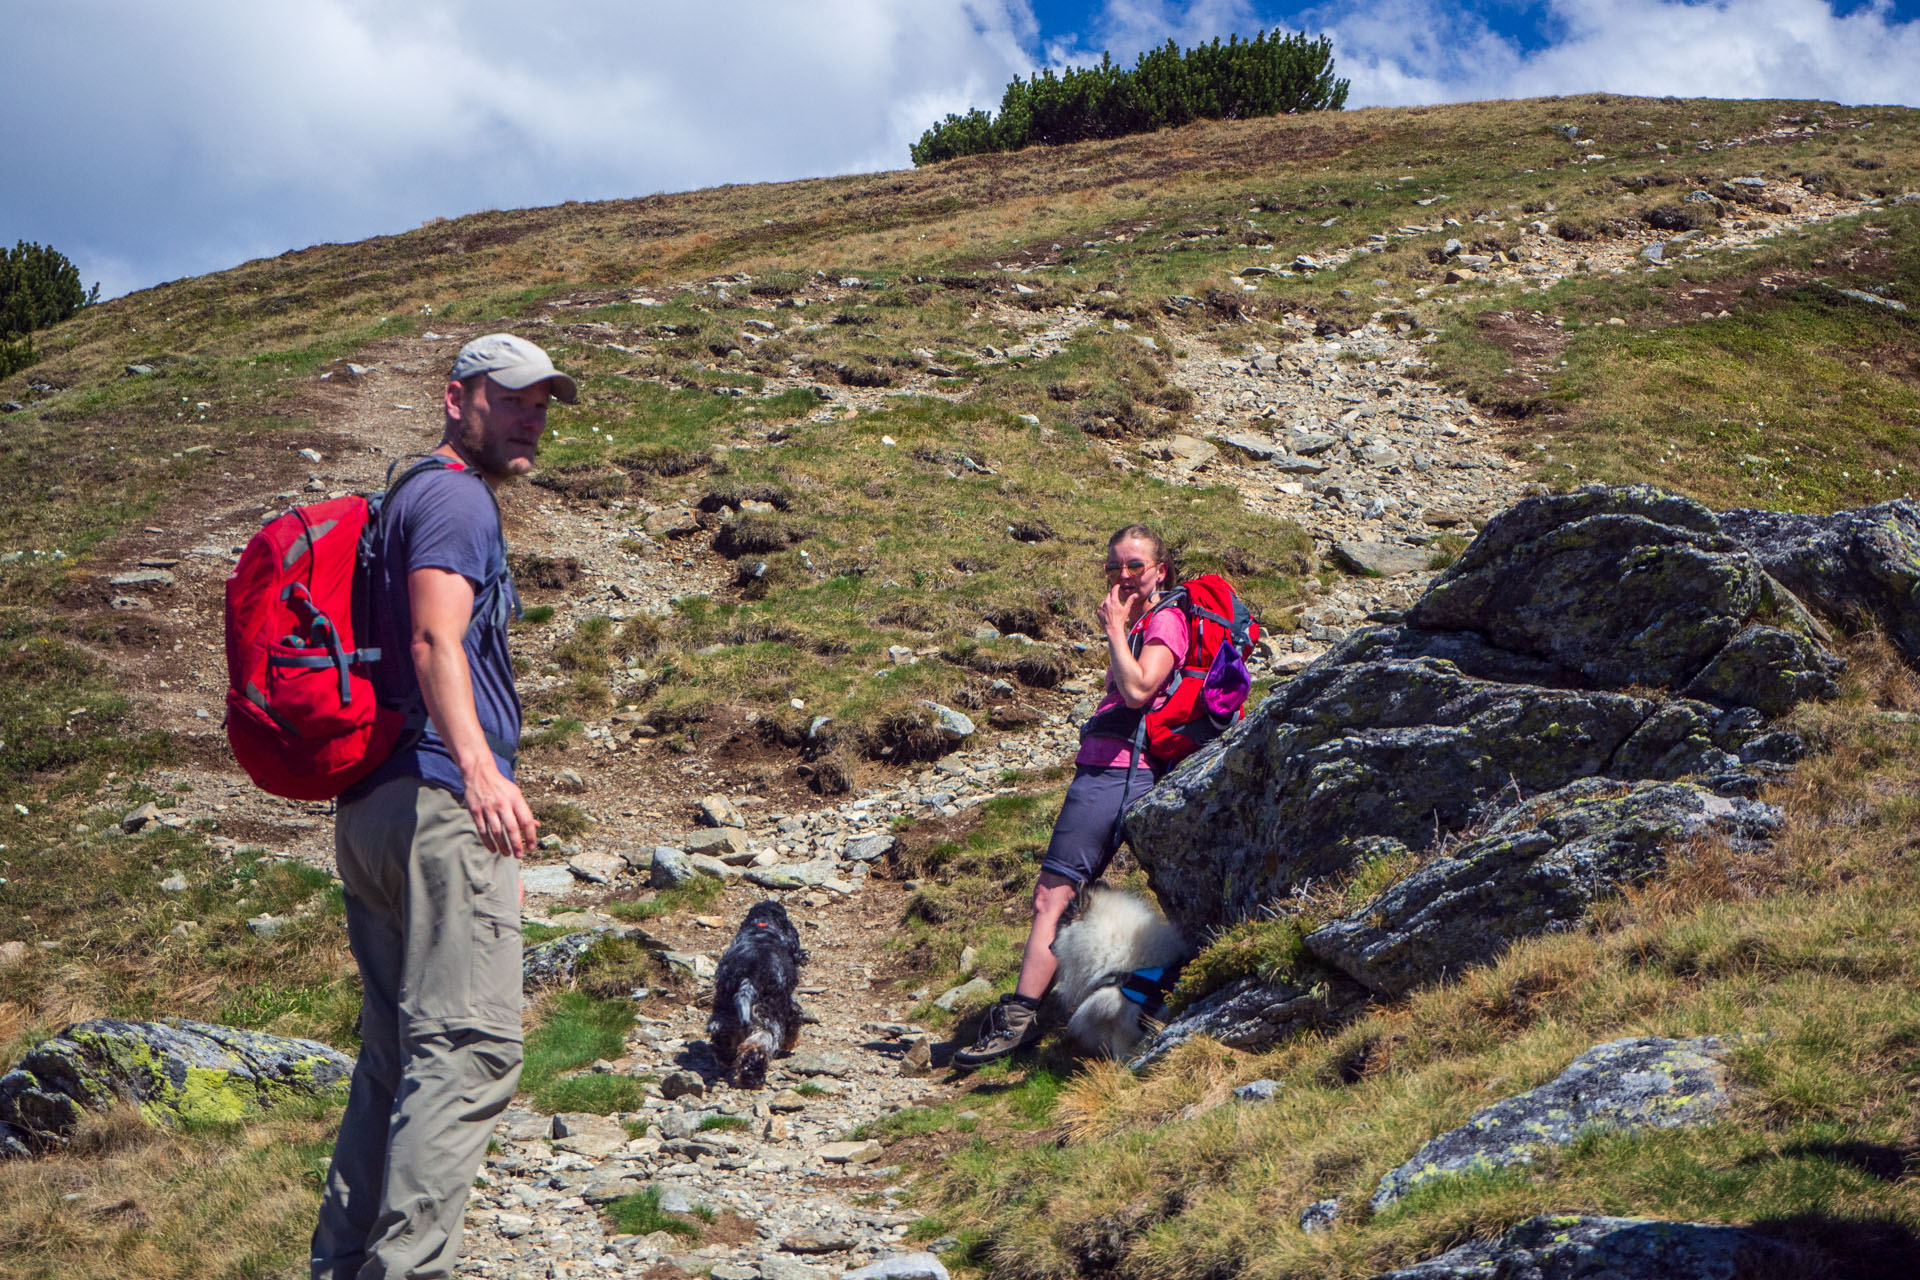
[(427, 844)]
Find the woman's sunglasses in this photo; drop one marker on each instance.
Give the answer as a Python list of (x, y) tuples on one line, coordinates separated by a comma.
[(1131, 566)]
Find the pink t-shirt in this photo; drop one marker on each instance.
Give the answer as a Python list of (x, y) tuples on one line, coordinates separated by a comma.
[(1167, 627)]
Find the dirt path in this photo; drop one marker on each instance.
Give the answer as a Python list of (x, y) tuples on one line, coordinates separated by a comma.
[(1342, 434)]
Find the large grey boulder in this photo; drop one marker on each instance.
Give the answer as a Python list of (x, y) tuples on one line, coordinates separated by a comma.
[(1613, 633), (175, 1071), (1651, 1083), (1565, 1246), (1407, 750), (1253, 1015), (1855, 566), (1628, 586), (1537, 869)]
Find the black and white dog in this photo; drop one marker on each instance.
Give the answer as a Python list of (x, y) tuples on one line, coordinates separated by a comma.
[(754, 1012), (1118, 959)]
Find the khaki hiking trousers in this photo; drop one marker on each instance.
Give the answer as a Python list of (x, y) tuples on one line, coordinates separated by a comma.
[(434, 921)]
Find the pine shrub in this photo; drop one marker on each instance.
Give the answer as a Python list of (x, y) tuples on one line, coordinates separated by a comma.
[(1272, 74), (38, 288)]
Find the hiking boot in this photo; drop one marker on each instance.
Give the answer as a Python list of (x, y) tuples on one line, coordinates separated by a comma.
[(1011, 1024)]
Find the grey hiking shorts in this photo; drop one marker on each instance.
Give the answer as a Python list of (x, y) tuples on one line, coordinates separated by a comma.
[(1083, 836)]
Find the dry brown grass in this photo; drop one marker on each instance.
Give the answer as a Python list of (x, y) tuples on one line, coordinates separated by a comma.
[(129, 1199)]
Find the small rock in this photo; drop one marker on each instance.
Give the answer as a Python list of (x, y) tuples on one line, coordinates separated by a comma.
[(818, 1240), (1320, 1216), (717, 841), (1655, 252), (1258, 1091), (13, 952), (718, 811), (814, 1063), (918, 1059), (901, 1266), (1185, 452), (865, 1152), (547, 880), (597, 868), (976, 989), (671, 868), (266, 926), (779, 1268), (174, 883), (708, 865), (676, 1200), (953, 726), (142, 578), (868, 848), (1257, 447), (683, 1084), (1385, 559), (734, 1271), (1296, 465)]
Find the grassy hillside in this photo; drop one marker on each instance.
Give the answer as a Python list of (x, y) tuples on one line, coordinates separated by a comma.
[(736, 347)]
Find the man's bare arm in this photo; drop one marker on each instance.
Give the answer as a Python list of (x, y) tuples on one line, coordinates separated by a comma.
[(442, 607)]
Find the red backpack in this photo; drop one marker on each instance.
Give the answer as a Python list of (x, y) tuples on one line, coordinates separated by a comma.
[(1208, 692), (302, 717)]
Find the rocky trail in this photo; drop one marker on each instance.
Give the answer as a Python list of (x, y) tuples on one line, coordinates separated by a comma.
[(1342, 433)]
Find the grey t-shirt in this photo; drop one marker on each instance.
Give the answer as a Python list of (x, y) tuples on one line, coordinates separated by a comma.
[(444, 519)]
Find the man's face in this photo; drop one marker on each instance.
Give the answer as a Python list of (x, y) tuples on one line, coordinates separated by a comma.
[(499, 427)]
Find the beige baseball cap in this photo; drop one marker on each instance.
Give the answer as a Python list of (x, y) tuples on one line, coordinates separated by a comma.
[(512, 362)]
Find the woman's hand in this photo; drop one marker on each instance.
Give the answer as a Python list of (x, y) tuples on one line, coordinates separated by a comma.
[(1114, 611)]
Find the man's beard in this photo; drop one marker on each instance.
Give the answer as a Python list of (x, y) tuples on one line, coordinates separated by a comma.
[(493, 459)]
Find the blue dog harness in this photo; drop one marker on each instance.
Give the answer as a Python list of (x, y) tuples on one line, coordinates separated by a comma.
[(1146, 987)]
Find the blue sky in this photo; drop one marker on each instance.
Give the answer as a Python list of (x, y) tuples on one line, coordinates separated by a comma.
[(149, 142), (1528, 27)]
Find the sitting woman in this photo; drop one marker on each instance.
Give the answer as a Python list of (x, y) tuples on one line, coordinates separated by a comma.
[(1145, 649)]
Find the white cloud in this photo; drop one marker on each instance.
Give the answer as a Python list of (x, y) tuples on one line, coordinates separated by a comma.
[(169, 140), (1419, 51)]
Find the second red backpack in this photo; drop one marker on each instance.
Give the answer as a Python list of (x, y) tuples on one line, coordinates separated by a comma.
[(1210, 689)]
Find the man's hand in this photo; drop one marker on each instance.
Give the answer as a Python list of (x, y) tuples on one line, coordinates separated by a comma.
[(500, 813)]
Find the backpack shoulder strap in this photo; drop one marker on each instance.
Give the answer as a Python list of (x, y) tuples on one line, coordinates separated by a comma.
[(499, 590)]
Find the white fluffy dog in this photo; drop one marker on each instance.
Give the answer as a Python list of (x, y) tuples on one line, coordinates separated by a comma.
[(1117, 959)]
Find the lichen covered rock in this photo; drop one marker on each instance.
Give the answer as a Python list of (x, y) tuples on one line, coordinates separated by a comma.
[(175, 1071), (1768, 669), (1537, 869), (1555, 1246), (1407, 750), (1651, 1083), (1627, 585), (1853, 565), (1253, 1015)]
